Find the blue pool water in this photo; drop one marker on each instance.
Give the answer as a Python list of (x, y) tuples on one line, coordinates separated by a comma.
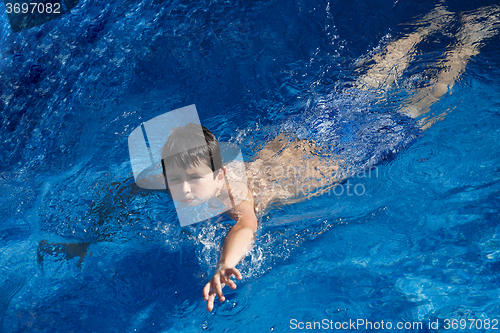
[(421, 243)]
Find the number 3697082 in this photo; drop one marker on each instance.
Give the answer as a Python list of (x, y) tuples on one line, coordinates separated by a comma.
[(33, 7)]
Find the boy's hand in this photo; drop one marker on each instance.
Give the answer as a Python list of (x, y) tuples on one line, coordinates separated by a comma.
[(214, 287)]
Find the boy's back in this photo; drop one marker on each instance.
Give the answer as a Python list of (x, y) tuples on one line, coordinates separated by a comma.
[(290, 170)]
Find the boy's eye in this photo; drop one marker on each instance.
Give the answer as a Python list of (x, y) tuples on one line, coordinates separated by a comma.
[(174, 180)]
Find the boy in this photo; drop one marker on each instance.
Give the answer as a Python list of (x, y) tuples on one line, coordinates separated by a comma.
[(194, 176)]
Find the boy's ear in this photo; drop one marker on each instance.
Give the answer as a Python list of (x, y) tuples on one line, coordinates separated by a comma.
[(221, 174)]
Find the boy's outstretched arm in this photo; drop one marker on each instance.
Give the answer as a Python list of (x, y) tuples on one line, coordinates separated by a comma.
[(234, 248)]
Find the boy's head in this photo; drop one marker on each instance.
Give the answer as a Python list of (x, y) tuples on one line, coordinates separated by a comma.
[(192, 174)]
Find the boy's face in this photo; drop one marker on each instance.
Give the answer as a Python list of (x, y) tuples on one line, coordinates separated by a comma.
[(195, 185)]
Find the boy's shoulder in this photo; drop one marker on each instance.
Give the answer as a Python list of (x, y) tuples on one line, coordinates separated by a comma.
[(242, 201)]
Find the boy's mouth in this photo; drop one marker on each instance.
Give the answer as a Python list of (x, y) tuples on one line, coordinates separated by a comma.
[(188, 201)]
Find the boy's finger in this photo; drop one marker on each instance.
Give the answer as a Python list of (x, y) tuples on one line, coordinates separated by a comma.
[(231, 284), (238, 274), (205, 291), (210, 302), (235, 272), (218, 291)]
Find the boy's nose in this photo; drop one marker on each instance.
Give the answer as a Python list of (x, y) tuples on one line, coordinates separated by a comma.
[(186, 188)]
